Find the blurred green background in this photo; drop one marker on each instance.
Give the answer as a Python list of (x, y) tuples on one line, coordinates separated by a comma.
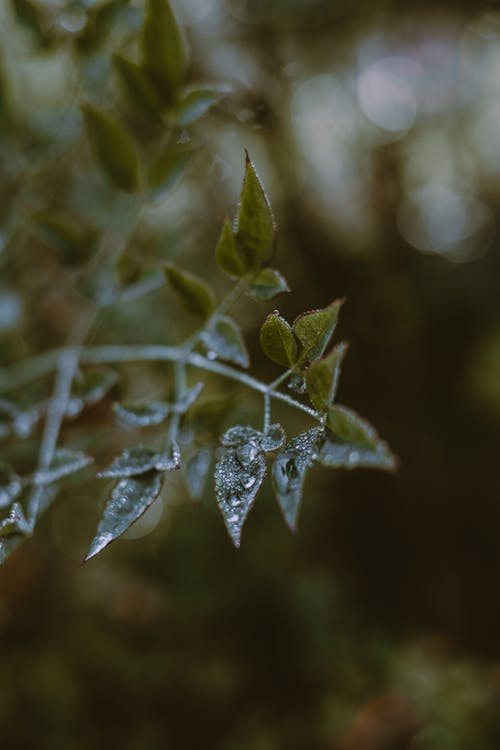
[(376, 130)]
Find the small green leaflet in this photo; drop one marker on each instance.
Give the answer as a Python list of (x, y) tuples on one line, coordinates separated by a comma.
[(194, 293), (227, 254), (289, 471), (10, 485), (267, 284), (224, 339), (138, 88), (314, 329), (194, 104), (142, 415), (140, 459), (168, 168), (255, 224), (322, 377), (163, 49), (129, 499), (113, 147), (64, 463), (351, 442), (277, 340)]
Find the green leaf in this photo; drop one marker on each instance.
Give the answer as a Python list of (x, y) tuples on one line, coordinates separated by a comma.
[(195, 294), (277, 340), (289, 471), (10, 485), (239, 474), (33, 18), (64, 463), (194, 104), (113, 147), (140, 460), (255, 223), (142, 415), (129, 499), (73, 243), (15, 523), (267, 284), (226, 341), (197, 471), (163, 49), (227, 253), (322, 377), (314, 329), (138, 88), (168, 168), (100, 20), (352, 442)]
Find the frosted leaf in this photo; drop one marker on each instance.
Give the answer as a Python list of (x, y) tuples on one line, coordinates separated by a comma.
[(15, 522), (16, 419), (129, 499), (289, 471), (236, 487), (197, 470), (248, 452), (139, 460), (238, 435), (8, 545), (10, 486), (89, 389), (225, 340), (273, 439), (142, 415), (249, 441), (188, 398), (338, 453), (64, 463)]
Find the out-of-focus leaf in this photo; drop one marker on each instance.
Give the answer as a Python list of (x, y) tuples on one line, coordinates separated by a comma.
[(32, 15), (10, 485), (267, 284), (212, 413), (113, 147), (138, 88), (140, 459), (8, 545), (64, 463), (89, 389), (129, 499), (255, 224), (74, 244), (277, 340), (195, 294), (322, 377), (314, 329), (297, 383), (194, 104), (238, 479), (197, 471), (187, 399), (289, 471), (163, 49), (15, 522), (168, 168), (226, 341), (227, 253), (273, 439), (143, 415), (17, 419), (100, 20), (352, 442)]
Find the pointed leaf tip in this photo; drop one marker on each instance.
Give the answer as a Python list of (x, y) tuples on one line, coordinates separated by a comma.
[(322, 377), (194, 293), (315, 328), (239, 474), (255, 223), (278, 341), (113, 147), (352, 442)]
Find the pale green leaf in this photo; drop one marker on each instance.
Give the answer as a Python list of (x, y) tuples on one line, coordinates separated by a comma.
[(113, 147), (225, 340), (314, 329), (227, 253), (267, 284), (277, 340), (168, 168), (195, 294), (194, 104), (352, 442)]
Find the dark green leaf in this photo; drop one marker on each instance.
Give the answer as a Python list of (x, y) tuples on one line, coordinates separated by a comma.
[(129, 499), (64, 463), (15, 522), (225, 340), (31, 15), (353, 442), (289, 471), (197, 471), (314, 329), (138, 88), (227, 253), (267, 284), (73, 243), (163, 49), (277, 340), (168, 169), (10, 485), (322, 377), (140, 459), (195, 294), (238, 477), (194, 104), (89, 389), (255, 225), (100, 20), (142, 415), (113, 147)]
